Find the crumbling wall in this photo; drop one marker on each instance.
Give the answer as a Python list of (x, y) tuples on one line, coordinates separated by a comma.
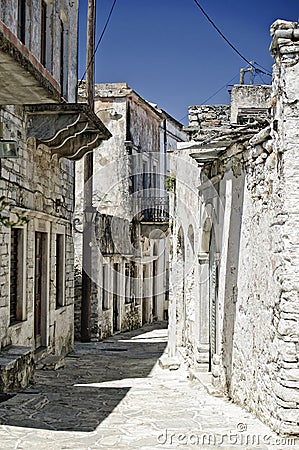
[(206, 120), (261, 361), (131, 318), (249, 97)]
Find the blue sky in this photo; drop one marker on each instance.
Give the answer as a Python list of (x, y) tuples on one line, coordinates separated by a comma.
[(167, 51)]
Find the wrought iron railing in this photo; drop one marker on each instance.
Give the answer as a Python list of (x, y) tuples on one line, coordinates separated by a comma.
[(152, 209)]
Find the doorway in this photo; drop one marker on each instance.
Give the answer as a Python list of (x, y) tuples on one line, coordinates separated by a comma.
[(155, 289), (115, 297), (213, 294), (40, 290)]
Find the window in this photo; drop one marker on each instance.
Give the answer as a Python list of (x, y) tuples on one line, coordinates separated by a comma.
[(60, 270), (17, 266), (105, 289), (22, 20), (63, 58), (43, 40)]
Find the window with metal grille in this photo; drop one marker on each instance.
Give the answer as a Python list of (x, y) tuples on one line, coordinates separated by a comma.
[(16, 275), (60, 270)]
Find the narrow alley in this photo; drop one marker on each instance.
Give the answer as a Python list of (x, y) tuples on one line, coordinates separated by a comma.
[(114, 395)]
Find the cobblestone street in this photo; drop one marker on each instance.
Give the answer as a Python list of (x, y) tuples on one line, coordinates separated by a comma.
[(114, 395)]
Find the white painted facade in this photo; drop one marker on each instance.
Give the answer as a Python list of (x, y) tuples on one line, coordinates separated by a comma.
[(128, 183), (236, 313)]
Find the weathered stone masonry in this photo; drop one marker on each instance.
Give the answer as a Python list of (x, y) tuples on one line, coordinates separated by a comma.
[(128, 192), (249, 238), (265, 354), (40, 114)]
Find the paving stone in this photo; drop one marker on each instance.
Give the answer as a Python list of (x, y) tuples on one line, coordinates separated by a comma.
[(105, 400)]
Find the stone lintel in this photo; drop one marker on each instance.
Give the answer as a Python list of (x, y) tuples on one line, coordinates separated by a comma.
[(205, 156)]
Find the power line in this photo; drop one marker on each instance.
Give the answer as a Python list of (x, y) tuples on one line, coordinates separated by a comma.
[(99, 41), (213, 95), (263, 69), (265, 72), (220, 89)]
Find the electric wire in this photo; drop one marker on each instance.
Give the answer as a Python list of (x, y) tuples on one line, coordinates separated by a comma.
[(99, 41), (265, 72), (213, 95), (263, 81)]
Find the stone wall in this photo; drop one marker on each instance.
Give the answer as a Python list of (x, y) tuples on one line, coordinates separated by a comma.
[(206, 116), (33, 183), (266, 335), (249, 97), (129, 173), (248, 242)]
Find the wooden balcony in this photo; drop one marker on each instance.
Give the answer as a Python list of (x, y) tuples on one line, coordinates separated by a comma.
[(23, 79)]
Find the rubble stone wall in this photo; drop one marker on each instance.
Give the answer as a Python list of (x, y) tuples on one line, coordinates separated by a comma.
[(32, 183), (260, 329)]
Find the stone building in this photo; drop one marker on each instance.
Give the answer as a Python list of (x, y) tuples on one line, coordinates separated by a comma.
[(130, 256), (44, 127), (234, 261)]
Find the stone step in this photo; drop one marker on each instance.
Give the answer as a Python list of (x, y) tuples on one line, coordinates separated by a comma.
[(51, 362), (40, 353), (16, 368)]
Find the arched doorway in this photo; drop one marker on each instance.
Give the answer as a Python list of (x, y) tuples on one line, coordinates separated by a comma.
[(208, 279)]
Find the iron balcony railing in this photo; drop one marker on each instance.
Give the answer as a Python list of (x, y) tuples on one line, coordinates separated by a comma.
[(152, 209)]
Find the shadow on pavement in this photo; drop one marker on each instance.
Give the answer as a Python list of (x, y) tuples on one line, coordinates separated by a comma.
[(96, 378)]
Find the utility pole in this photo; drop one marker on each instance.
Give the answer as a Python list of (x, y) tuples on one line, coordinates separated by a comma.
[(88, 188)]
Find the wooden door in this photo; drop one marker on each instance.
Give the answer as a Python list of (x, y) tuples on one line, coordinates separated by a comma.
[(39, 291)]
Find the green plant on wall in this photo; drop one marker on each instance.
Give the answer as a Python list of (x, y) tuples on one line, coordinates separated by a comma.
[(4, 219), (169, 182)]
